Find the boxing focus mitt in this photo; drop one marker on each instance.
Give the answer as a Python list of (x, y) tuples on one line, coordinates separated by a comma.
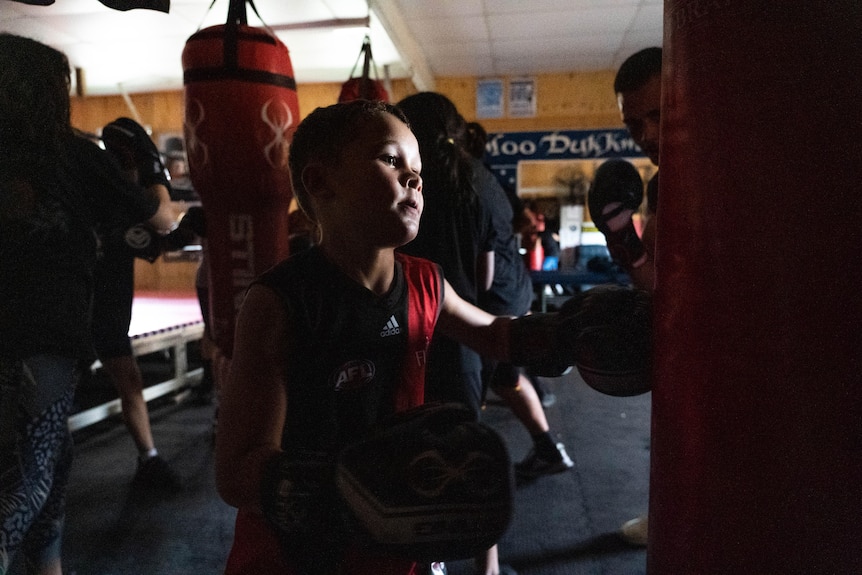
[(605, 332), (130, 144), (615, 195), (431, 485)]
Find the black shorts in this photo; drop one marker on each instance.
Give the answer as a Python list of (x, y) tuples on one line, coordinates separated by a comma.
[(112, 307)]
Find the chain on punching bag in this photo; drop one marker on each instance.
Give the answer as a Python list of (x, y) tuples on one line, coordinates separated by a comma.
[(241, 110), (757, 400)]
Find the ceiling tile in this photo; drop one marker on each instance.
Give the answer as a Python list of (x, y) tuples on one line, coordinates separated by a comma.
[(141, 49)]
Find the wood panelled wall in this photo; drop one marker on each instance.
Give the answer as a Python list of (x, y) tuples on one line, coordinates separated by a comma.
[(564, 101)]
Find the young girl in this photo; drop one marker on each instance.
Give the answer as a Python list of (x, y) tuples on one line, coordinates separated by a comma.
[(334, 339)]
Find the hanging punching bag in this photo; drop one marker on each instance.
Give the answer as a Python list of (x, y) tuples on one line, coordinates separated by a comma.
[(241, 110), (757, 399), (363, 87)]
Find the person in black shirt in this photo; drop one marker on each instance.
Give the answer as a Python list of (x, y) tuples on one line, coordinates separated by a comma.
[(56, 188)]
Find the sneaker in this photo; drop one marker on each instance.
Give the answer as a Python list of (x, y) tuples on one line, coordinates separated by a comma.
[(634, 532), (534, 466), (155, 473)]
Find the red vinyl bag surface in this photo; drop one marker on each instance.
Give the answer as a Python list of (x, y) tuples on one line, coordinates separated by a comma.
[(241, 110), (756, 450)]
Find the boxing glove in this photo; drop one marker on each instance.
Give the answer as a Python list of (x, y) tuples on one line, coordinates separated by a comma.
[(143, 241), (130, 144), (605, 332), (194, 221), (179, 238), (615, 195), (191, 227), (300, 502)]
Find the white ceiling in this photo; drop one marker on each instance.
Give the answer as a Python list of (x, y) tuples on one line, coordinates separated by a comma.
[(140, 50)]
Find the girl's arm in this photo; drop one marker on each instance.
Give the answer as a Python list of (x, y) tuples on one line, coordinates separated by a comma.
[(485, 333), (254, 399)]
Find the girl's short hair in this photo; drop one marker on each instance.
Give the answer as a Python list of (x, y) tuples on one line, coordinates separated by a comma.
[(324, 133)]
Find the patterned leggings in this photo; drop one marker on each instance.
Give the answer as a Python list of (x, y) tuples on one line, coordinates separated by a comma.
[(35, 456)]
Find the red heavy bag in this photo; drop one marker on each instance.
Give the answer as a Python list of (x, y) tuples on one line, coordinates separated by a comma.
[(241, 110), (363, 87), (757, 398)]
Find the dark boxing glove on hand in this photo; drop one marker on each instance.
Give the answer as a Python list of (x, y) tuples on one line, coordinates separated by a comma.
[(143, 242), (606, 332), (130, 144), (615, 195), (194, 221), (191, 227), (300, 502)]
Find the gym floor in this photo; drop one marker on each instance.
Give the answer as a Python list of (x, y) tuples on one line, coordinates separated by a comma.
[(564, 524)]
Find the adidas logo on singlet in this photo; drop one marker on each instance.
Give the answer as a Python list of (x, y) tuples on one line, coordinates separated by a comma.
[(391, 328)]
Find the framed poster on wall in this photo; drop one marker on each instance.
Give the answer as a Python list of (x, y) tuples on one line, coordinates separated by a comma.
[(489, 98), (522, 98)]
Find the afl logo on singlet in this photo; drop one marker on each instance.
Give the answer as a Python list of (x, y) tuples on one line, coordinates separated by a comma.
[(352, 375)]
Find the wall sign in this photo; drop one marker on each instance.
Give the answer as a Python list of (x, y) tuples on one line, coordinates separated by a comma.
[(505, 149)]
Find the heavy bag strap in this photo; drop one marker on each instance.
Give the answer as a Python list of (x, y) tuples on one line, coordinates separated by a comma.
[(236, 16), (365, 88)]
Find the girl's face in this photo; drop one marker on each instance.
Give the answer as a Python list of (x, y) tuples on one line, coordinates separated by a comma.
[(375, 183)]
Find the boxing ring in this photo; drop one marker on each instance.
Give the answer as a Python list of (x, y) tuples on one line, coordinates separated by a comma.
[(161, 322)]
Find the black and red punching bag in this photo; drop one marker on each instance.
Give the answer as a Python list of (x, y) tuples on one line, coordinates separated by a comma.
[(757, 397), (241, 110)]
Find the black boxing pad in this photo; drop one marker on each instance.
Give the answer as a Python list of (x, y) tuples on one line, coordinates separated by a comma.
[(130, 144), (613, 343), (432, 484), (615, 180), (616, 194)]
